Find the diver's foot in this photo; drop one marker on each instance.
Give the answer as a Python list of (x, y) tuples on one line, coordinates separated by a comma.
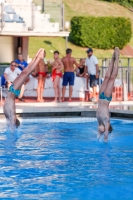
[(117, 52), (40, 53)]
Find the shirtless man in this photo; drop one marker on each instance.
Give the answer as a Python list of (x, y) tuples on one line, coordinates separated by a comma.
[(56, 75), (105, 96), (68, 77), (41, 71), (14, 91)]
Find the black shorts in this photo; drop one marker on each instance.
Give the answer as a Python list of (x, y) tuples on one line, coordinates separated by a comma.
[(93, 80)]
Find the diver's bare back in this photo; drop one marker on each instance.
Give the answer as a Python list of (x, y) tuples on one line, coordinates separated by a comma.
[(68, 64), (103, 112), (9, 106)]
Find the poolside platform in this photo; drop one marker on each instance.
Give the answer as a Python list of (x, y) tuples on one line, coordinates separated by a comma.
[(31, 108)]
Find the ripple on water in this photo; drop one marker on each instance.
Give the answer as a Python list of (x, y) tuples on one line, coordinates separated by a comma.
[(65, 161)]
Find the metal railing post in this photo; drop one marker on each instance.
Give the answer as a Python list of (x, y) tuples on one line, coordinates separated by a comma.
[(43, 8), (32, 16), (128, 75), (2, 15), (62, 17)]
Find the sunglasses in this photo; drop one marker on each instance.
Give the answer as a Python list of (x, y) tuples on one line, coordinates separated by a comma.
[(13, 65)]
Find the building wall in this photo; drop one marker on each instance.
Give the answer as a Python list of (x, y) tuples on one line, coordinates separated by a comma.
[(8, 48)]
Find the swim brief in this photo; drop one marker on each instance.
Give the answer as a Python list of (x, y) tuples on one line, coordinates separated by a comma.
[(68, 77), (54, 74), (102, 96), (16, 92), (42, 73)]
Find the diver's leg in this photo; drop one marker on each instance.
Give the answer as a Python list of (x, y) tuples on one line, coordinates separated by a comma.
[(24, 74), (110, 85), (108, 74)]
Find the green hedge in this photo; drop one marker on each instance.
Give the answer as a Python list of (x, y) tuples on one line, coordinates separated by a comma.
[(126, 3), (100, 32)]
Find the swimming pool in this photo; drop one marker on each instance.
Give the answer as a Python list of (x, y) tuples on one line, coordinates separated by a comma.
[(65, 161)]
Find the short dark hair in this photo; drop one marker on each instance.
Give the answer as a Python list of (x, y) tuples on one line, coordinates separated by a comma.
[(81, 59), (12, 62), (110, 129), (17, 123), (68, 51), (56, 52)]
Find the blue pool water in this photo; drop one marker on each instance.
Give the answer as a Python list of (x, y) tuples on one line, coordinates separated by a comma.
[(65, 161)]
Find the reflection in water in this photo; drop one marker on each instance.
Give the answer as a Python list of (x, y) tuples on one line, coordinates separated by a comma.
[(65, 161)]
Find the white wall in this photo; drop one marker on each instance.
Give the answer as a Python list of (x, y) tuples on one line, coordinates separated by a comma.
[(8, 47)]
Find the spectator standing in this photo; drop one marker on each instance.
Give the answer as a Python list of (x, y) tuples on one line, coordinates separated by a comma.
[(41, 70), (10, 74), (81, 68), (56, 75), (92, 68), (68, 76)]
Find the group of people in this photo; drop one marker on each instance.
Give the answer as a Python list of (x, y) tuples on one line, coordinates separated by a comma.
[(86, 68), (68, 62)]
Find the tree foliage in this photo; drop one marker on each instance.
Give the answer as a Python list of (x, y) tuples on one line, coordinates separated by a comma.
[(126, 3), (100, 32)]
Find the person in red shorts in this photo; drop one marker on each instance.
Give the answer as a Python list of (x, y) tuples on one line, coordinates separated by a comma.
[(41, 71), (56, 75)]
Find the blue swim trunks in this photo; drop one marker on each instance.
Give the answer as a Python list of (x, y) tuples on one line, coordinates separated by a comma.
[(68, 77), (102, 96), (16, 92)]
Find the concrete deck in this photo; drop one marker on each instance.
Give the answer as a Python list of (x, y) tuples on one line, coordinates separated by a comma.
[(88, 109)]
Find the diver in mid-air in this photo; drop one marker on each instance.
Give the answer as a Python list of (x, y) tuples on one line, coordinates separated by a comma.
[(14, 90), (105, 96)]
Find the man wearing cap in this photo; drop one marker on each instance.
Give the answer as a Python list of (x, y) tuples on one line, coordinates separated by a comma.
[(92, 68)]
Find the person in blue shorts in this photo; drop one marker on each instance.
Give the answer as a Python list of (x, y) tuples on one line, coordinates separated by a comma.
[(68, 77), (14, 91), (105, 97)]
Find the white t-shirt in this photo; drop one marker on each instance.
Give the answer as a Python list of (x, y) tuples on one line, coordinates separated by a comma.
[(91, 63), (12, 75)]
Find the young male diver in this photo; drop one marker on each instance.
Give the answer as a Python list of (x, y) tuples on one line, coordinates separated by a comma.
[(105, 97)]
